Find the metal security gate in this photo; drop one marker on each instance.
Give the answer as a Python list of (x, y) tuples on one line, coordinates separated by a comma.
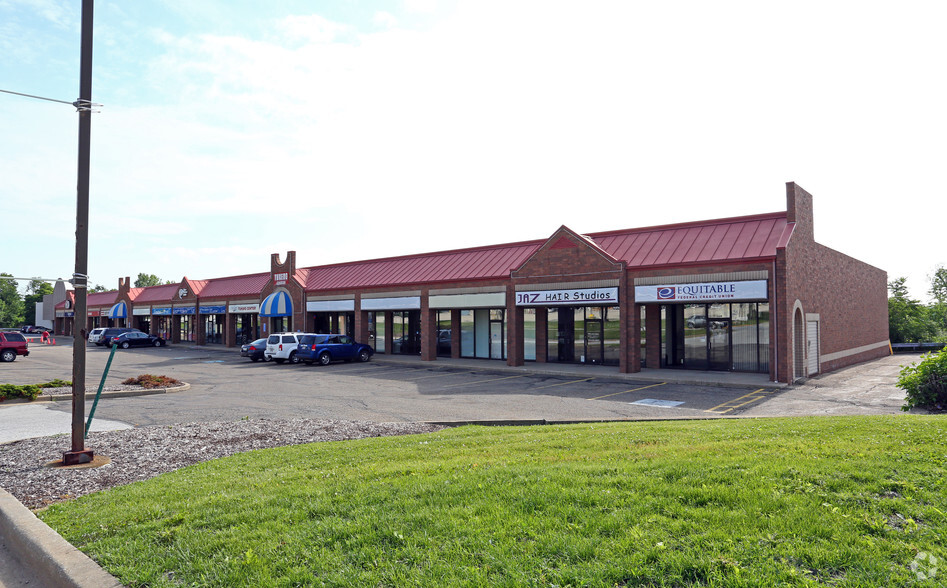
[(812, 352)]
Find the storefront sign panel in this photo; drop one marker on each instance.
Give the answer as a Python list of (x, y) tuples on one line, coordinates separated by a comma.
[(280, 279), (185, 310), (399, 303), (141, 311), (330, 305), (703, 292), (214, 309), (161, 311), (244, 309), (94, 313), (575, 297)]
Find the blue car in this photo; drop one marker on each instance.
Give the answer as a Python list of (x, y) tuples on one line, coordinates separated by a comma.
[(328, 348)]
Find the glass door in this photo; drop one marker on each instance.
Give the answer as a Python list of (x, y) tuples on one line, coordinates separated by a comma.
[(594, 351), (718, 344)]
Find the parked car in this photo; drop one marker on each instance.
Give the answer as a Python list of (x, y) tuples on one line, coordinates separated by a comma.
[(11, 345), (111, 333), (327, 348), (697, 321), (95, 335), (137, 339), (255, 350), (281, 347), (38, 329)]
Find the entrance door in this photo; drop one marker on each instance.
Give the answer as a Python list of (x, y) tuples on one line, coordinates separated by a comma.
[(566, 334), (594, 348), (718, 344)]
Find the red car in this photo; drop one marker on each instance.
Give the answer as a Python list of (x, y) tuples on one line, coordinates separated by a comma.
[(11, 345)]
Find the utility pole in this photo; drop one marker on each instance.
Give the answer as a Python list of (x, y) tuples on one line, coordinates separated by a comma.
[(78, 454)]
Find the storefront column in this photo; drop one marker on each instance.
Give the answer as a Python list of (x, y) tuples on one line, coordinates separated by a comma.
[(542, 333), (428, 330), (630, 348), (230, 330), (514, 331), (653, 336), (176, 329), (361, 325)]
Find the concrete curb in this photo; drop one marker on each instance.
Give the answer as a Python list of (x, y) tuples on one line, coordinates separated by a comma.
[(43, 555), (105, 394)]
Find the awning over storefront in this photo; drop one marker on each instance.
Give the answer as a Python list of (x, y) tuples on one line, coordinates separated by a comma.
[(277, 304), (118, 311)]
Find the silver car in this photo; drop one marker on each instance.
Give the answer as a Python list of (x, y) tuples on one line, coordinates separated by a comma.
[(281, 347), (95, 335)]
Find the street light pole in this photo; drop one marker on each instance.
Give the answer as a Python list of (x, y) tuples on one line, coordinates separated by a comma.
[(79, 454)]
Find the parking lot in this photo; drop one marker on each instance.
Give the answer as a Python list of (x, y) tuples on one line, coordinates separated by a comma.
[(225, 386)]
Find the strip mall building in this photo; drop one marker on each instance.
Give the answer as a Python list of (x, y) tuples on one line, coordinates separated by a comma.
[(748, 294)]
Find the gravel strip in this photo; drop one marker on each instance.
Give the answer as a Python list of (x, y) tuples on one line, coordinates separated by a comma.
[(68, 389), (144, 452)]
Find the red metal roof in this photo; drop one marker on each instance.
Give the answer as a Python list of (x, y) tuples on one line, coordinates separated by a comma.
[(162, 293), (249, 286), (460, 265), (101, 298), (724, 240), (716, 241)]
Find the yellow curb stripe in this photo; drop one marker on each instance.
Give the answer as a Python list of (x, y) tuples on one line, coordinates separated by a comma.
[(729, 405), (627, 391)]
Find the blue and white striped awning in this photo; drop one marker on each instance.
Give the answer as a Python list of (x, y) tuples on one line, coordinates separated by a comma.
[(118, 311), (277, 304)]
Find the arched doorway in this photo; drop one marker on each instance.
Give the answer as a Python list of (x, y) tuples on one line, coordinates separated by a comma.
[(798, 345)]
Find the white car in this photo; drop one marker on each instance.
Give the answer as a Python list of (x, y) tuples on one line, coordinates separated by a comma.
[(281, 347), (95, 335)]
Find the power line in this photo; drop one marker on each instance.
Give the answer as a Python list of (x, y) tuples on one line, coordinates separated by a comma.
[(81, 105)]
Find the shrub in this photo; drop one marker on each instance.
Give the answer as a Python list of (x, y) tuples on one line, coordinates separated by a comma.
[(150, 381), (14, 391), (925, 382)]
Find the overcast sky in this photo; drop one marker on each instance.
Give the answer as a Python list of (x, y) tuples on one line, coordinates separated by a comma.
[(233, 129)]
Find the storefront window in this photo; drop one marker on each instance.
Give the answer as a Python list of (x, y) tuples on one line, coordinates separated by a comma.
[(213, 329), (466, 333), (186, 328), (719, 336), (529, 334), (376, 331), (612, 335), (406, 333), (443, 333)]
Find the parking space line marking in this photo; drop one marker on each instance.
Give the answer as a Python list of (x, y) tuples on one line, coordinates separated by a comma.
[(627, 391), (484, 381), (747, 399), (440, 375), (562, 384)]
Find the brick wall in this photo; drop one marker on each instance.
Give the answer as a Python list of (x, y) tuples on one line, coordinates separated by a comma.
[(850, 296)]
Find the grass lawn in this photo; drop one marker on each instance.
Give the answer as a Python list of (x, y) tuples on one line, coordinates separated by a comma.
[(848, 501)]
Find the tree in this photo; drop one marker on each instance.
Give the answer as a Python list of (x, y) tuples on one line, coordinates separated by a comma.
[(36, 290), (11, 306), (909, 321), (145, 280), (98, 288), (939, 285)]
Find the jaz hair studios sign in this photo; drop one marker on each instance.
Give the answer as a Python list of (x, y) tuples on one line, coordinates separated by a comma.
[(712, 291), (580, 297)]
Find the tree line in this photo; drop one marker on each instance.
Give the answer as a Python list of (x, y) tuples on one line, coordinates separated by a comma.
[(17, 309), (910, 320)]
